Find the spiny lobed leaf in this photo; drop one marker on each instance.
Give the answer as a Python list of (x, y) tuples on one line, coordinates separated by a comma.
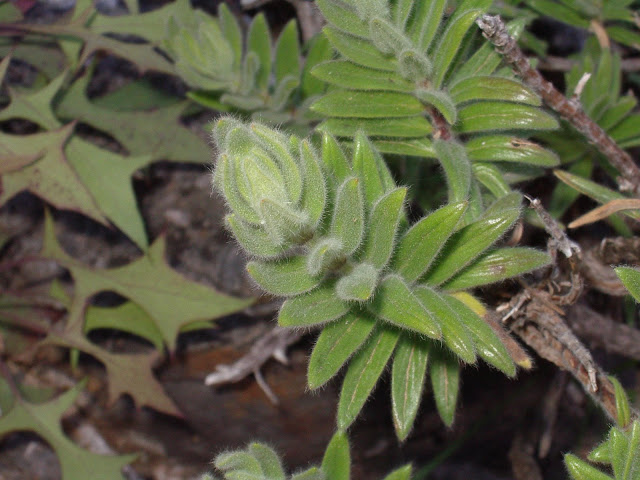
[(44, 419), (360, 272)]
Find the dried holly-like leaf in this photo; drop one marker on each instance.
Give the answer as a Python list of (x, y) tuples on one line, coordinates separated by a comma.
[(127, 373), (81, 41), (157, 132), (105, 176), (169, 298), (51, 176), (44, 420)]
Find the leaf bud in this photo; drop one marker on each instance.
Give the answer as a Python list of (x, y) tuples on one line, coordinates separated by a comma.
[(386, 37), (414, 65), (263, 182), (325, 255), (358, 285)]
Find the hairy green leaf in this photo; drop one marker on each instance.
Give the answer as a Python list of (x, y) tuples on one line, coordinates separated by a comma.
[(347, 224), (402, 473), (287, 56), (317, 307), (363, 374), (314, 473), (420, 246), (505, 148), (414, 66), (498, 265), (383, 225), (445, 382), (359, 284), (387, 37), (348, 103), (318, 51), (259, 42), (253, 239), (495, 116), (440, 100), (487, 344), (337, 342), (492, 88), (359, 51), (631, 279), (344, 17), (378, 127), (455, 335), (581, 470), (622, 403), (314, 196), (407, 382), (469, 242), (457, 168), (334, 160), (492, 178), (425, 22), (268, 460), (286, 277), (325, 255), (336, 463), (372, 170), (447, 47), (396, 303), (345, 74), (593, 190), (415, 147)]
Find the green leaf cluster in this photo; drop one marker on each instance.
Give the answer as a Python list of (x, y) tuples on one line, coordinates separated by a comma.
[(410, 75), (230, 71), (329, 232), (620, 452), (260, 462), (602, 101), (616, 18)]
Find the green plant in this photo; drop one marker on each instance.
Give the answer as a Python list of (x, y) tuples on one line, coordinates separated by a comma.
[(436, 96), (331, 235), (260, 462), (313, 202), (614, 19), (225, 76)]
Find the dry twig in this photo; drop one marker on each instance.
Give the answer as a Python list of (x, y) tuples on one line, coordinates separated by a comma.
[(536, 316), (273, 344), (494, 30), (603, 332)]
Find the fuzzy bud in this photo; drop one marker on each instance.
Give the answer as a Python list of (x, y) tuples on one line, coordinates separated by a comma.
[(265, 184)]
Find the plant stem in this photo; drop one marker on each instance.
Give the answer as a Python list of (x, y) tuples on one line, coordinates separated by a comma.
[(494, 30)]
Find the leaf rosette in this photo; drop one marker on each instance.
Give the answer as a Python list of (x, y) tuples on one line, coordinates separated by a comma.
[(343, 254), (231, 71), (411, 75), (273, 185)]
